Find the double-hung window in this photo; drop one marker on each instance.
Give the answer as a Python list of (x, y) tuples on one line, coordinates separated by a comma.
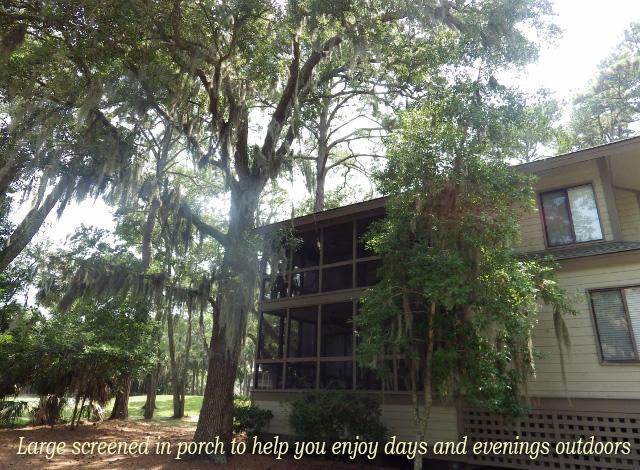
[(571, 215), (617, 321)]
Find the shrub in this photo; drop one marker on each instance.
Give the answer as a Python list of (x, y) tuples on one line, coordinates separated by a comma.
[(93, 412), (11, 410), (337, 416), (49, 410), (249, 418)]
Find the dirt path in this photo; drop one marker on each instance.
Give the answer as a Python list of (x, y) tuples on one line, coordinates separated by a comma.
[(129, 431)]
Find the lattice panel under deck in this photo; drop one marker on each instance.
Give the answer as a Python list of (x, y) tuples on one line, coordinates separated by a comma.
[(555, 426)]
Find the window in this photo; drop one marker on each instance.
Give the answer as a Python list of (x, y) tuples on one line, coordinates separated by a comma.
[(304, 283), (336, 337), (301, 375), (312, 347), (268, 376), (362, 227), (368, 379), (307, 252), (367, 273), (571, 215), (338, 278), (338, 243), (274, 288), (617, 320), (321, 260), (303, 324), (271, 335), (336, 375)]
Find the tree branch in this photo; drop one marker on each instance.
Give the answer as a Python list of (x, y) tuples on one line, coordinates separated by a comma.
[(203, 227), (352, 156), (297, 86)]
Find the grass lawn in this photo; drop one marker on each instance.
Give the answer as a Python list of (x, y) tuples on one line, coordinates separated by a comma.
[(163, 413), (164, 409)]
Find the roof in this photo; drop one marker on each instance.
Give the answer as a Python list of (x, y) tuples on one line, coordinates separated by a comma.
[(579, 155), (592, 249), (320, 216)]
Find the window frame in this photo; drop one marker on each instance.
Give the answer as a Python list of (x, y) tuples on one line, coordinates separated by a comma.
[(283, 333), (566, 189), (319, 359), (289, 272), (594, 323)]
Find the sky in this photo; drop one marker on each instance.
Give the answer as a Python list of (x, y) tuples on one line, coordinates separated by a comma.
[(591, 29)]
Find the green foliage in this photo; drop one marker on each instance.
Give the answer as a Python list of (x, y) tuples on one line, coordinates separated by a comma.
[(540, 131), (49, 410), (454, 298), (92, 82), (336, 416), (610, 107), (11, 411), (248, 418), (18, 352), (14, 284), (85, 350)]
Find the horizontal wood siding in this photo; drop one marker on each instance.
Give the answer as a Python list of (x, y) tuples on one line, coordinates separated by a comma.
[(586, 377), (531, 232), (398, 419), (531, 227), (279, 424), (629, 213)]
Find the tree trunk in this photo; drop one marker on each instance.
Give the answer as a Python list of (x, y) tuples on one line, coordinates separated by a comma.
[(247, 383), (154, 207), (121, 404), (30, 225), (178, 368), (80, 413), (194, 372), (90, 409), (318, 201), (184, 368), (152, 391), (427, 372), (178, 400), (237, 285), (323, 156), (216, 415), (154, 376), (75, 410), (176, 383)]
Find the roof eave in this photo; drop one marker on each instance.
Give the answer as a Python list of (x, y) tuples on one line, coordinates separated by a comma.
[(578, 156)]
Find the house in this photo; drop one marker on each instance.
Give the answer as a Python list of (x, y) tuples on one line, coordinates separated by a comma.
[(587, 218)]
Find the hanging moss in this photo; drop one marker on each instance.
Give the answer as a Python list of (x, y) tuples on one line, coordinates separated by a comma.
[(83, 145), (107, 281)]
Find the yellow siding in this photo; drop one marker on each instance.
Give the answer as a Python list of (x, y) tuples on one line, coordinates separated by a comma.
[(586, 377), (397, 418), (279, 424), (532, 231), (629, 214)]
